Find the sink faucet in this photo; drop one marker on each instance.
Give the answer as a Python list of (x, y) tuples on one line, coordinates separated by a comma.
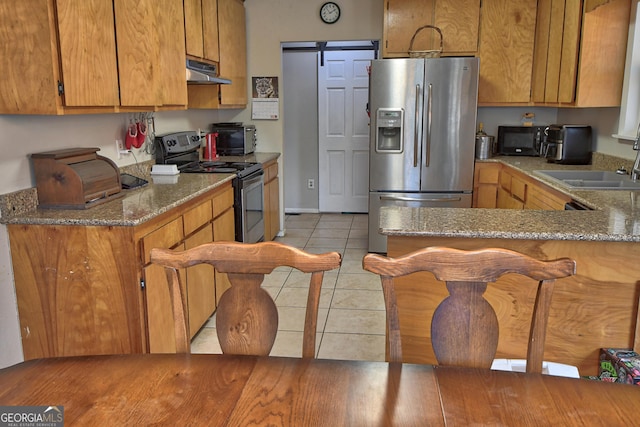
[(635, 170)]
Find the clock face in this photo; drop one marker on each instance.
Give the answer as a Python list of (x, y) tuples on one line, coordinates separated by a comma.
[(330, 12)]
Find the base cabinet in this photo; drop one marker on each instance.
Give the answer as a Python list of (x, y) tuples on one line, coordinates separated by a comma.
[(271, 201), (497, 185), (85, 290)]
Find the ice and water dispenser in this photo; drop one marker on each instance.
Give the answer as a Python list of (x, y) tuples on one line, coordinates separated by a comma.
[(389, 130)]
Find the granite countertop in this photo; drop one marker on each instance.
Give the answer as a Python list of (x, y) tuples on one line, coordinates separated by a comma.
[(136, 206), (616, 214)]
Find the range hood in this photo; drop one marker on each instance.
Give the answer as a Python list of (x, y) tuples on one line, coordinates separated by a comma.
[(201, 72)]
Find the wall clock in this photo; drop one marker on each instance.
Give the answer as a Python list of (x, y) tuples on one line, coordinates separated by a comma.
[(330, 12)]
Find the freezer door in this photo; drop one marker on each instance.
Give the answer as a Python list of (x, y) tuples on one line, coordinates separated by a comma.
[(396, 86), (449, 123), (377, 241)]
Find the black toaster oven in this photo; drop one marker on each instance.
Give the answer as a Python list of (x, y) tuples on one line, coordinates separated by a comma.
[(234, 139), (519, 140)]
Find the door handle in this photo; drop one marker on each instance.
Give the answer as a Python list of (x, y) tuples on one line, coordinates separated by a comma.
[(415, 128), (416, 199), (427, 147)]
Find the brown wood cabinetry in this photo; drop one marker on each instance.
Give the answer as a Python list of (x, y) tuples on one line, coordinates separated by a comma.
[(507, 32), (223, 230), (485, 184), (201, 29), (271, 200), (91, 289), (500, 186), (61, 57), (457, 19), (232, 50), (580, 52)]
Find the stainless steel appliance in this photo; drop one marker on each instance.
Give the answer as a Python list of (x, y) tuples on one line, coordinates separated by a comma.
[(567, 144), (520, 140), (183, 150), (423, 125), (204, 73), (235, 139)]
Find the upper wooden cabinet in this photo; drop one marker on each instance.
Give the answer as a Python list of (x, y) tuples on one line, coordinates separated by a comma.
[(580, 52), (507, 33), (457, 19), (232, 37), (233, 53), (64, 56), (201, 29), (151, 55)]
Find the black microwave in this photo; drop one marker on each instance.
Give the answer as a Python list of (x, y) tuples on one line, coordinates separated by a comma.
[(520, 140)]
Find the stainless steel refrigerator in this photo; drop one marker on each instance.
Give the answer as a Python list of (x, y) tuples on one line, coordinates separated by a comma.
[(422, 145)]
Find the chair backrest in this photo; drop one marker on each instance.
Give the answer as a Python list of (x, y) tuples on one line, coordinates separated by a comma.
[(464, 327), (246, 317)]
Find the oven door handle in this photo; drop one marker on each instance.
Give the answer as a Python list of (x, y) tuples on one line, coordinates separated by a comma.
[(252, 180)]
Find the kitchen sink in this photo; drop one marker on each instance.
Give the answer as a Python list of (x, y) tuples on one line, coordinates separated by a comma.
[(590, 180)]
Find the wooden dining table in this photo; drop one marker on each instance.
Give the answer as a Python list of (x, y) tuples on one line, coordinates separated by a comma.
[(223, 390)]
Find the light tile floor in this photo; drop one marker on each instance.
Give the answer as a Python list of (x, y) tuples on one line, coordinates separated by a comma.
[(351, 322)]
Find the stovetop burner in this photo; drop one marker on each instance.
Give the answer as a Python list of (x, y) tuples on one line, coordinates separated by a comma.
[(242, 169)]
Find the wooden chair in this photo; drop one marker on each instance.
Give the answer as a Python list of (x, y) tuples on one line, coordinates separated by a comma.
[(246, 317), (464, 327)]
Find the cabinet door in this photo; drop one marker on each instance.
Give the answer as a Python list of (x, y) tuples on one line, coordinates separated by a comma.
[(193, 28), (507, 30), (137, 43), (201, 291), (556, 50), (223, 230), (87, 53), (172, 85), (160, 325), (485, 188), (457, 19), (233, 52), (605, 26), (151, 53), (401, 20), (210, 30), (274, 207)]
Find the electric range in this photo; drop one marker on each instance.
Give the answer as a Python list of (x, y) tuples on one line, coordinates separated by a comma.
[(183, 150)]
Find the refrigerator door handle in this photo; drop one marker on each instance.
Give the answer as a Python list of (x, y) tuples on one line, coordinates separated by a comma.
[(427, 147), (415, 127), (416, 199)]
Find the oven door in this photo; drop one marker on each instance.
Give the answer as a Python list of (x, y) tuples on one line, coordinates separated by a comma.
[(250, 212)]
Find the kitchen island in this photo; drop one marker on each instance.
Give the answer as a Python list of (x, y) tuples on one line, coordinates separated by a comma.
[(598, 307)]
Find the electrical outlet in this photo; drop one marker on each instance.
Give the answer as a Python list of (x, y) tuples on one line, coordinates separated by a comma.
[(120, 151), (311, 184)]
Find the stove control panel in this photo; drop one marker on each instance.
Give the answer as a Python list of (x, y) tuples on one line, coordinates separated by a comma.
[(178, 142)]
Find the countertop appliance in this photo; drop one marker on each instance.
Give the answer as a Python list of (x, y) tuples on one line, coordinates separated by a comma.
[(567, 144), (183, 149), (235, 138), (423, 126), (520, 140)]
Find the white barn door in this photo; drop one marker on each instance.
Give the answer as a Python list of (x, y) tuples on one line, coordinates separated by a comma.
[(343, 140)]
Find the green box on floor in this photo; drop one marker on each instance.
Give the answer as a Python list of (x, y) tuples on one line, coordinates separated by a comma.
[(621, 365)]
